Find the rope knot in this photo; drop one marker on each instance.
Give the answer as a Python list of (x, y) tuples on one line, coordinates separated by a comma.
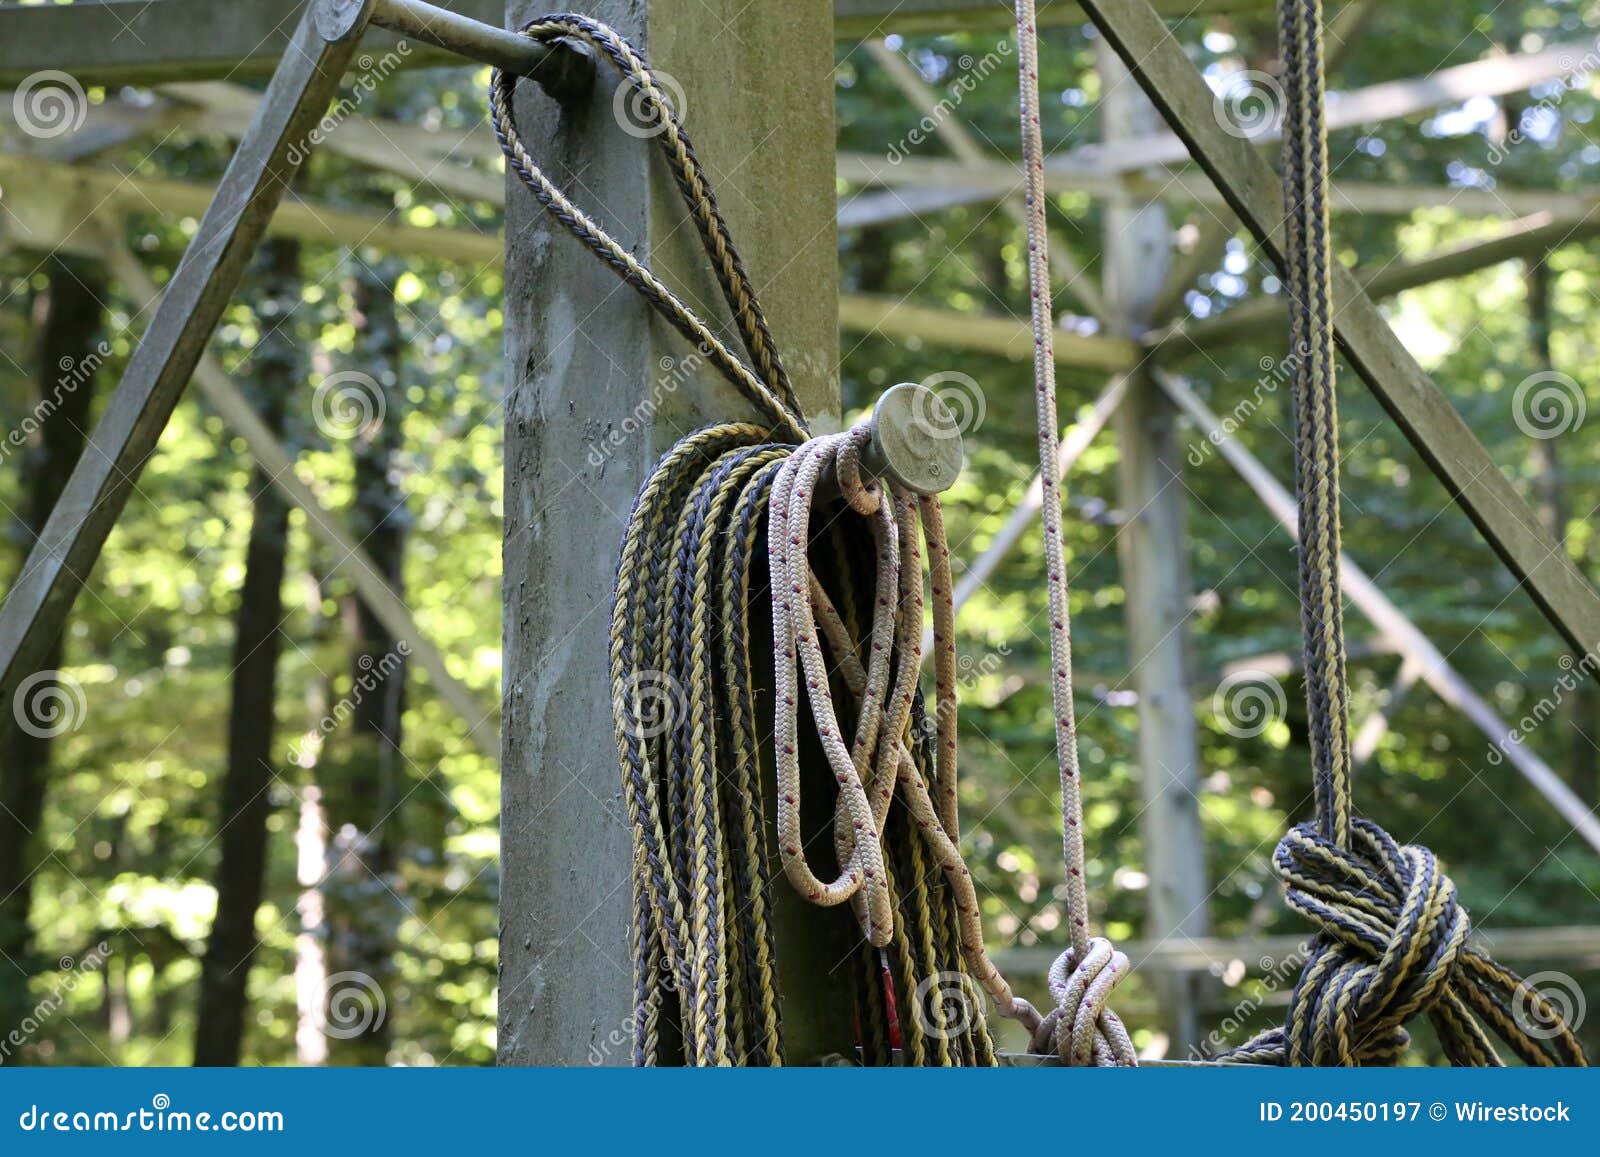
[(1390, 932), (1391, 943), (1082, 1029)]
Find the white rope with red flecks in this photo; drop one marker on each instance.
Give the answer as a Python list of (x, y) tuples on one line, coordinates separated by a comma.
[(1082, 1027)]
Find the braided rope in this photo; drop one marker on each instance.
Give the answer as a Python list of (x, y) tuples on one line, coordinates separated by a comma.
[(771, 392), (688, 734), (1391, 938), (1082, 1027)]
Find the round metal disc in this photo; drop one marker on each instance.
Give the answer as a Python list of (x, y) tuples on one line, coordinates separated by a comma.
[(916, 440)]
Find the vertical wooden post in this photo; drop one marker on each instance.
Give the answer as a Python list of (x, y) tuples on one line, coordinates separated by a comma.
[(1155, 569), (598, 389)]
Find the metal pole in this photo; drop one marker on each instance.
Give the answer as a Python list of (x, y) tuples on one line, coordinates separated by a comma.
[(564, 71)]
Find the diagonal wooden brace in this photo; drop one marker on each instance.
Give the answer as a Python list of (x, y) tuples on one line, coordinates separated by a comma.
[(1419, 408), (258, 176)]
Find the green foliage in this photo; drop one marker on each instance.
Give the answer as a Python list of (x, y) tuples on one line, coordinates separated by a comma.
[(132, 811)]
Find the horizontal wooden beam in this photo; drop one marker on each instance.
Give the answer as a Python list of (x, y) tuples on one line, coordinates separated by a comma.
[(1008, 337), (928, 184), (1417, 405), (1529, 237), (1390, 621), (1573, 943), (860, 19), (48, 204), (1374, 104), (116, 42)]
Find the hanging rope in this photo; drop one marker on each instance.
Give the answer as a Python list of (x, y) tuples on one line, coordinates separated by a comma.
[(689, 732), (1391, 938), (1082, 979), (847, 645)]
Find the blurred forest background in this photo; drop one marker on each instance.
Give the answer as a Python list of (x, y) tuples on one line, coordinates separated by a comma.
[(380, 855)]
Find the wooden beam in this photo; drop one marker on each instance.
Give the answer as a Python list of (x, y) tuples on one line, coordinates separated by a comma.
[(1374, 104), (1533, 235), (439, 159), (888, 317), (929, 184), (142, 42), (348, 555), (49, 204), (1153, 555), (1415, 647), (1418, 407), (860, 19), (598, 390), (37, 604), (1269, 954)]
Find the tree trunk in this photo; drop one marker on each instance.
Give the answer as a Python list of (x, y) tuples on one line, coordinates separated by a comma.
[(364, 914), (247, 787), (68, 318)]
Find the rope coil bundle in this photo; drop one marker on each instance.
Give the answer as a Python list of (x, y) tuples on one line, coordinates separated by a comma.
[(1391, 934), (847, 644)]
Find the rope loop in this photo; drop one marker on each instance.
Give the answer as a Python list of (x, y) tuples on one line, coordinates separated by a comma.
[(1082, 1029), (767, 386)]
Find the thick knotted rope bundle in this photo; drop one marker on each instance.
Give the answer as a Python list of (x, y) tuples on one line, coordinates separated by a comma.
[(1391, 940)]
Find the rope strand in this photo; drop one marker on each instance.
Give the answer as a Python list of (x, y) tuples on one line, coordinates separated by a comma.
[(1391, 938)]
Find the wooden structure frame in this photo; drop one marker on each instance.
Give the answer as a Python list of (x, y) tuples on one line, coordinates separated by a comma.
[(308, 56)]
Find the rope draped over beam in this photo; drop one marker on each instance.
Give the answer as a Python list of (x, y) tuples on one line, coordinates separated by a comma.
[(1391, 934)]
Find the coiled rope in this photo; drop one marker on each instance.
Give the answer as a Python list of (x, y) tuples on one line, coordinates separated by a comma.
[(1391, 938), (845, 634)]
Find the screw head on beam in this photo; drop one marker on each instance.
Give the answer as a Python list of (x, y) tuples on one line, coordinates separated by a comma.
[(916, 440), (338, 20)]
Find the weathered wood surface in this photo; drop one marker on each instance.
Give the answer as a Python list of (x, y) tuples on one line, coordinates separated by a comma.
[(598, 390)]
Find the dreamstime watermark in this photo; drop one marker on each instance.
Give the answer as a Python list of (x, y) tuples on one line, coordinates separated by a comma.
[(1248, 702), (75, 971), (1575, 75), (954, 404), (675, 374), (348, 404), (1274, 373), (1277, 974), (626, 1033), (1548, 404), (971, 72), (971, 671), (1575, 673), (48, 704), (1546, 1003), (50, 104), (1249, 103), (75, 373), (641, 117), (947, 1005), (354, 1005), (373, 673), (371, 73), (649, 703)]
